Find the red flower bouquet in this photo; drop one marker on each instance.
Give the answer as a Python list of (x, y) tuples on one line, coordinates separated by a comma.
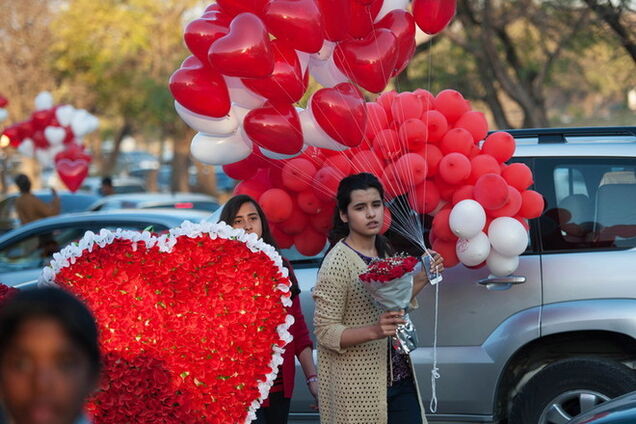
[(6, 292), (192, 323), (385, 270)]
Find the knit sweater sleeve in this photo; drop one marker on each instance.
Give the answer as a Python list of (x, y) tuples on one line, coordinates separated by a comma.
[(330, 295)]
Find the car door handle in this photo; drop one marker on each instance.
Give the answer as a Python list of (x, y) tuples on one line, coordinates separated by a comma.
[(502, 283)]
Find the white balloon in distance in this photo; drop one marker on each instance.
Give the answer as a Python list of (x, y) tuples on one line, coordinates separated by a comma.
[(44, 157), (44, 100), (501, 266), (64, 115), (92, 123), (242, 95), (326, 73), (78, 122), (473, 251), (54, 135), (214, 150), (508, 236), (313, 135), (27, 147), (3, 114), (390, 5), (467, 219), (226, 125)]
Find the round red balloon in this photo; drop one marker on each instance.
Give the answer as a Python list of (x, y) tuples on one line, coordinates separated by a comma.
[(406, 106), (475, 123), (463, 193), (326, 183), (309, 203), (482, 164), (457, 140), (532, 204), (277, 205), (511, 207), (424, 198), (310, 242), (386, 144), (518, 175), (413, 134), (447, 250), (491, 191), (433, 15), (411, 169), (295, 224), (283, 240), (437, 125), (454, 168), (441, 226), (298, 174), (433, 156), (500, 145)]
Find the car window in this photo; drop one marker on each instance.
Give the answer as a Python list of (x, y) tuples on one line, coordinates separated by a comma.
[(591, 203), (195, 205)]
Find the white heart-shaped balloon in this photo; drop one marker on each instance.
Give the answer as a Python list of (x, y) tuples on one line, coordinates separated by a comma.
[(242, 95), (55, 135), (64, 115), (226, 125), (26, 147), (325, 51), (44, 100), (44, 157), (78, 123), (326, 73), (3, 114), (221, 150)]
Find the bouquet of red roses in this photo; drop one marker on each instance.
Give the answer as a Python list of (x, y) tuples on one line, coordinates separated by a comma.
[(388, 269)]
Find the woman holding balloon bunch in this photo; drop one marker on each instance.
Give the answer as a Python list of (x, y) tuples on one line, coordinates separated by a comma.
[(361, 378)]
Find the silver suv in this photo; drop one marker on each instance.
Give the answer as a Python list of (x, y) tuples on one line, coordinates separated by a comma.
[(560, 336)]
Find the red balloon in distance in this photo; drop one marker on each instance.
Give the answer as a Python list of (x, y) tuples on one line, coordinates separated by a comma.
[(277, 205), (387, 220), (42, 118), (475, 123), (310, 242), (446, 190), (389, 180), (339, 163), (512, 206), (437, 125), (201, 33), (13, 134), (518, 175), (201, 90), (326, 183), (377, 119), (246, 50), (451, 104), (474, 152), (298, 174), (441, 226), (463, 193), (413, 133), (426, 98), (283, 240), (432, 16), (234, 7), (411, 169), (39, 140), (491, 191), (532, 204), (368, 61), (309, 203), (454, 168), (243, 169), (286, 82), (252, 187), (25, 129), (433, 156), (275, 173), (296, 22), (336, 17), (386, 144), (386, 101), (367, 161), (500, 145), (447, 250), (323, 220), (424, 197), (483, 164), (341, 112), (275, 127), (457, 140), (314, 155), (405, 106), (295, 224)]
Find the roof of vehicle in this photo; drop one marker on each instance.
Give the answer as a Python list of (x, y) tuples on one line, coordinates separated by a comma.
[(47, 192), (96, 182), (157, 197)]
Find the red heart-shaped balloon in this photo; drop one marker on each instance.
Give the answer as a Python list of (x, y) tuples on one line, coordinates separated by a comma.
[(368, 62), (201, 33), (336, 17), (13, 133), (42, 118), (402, 25), (433, 15), (25, 129), (297, 22), (72, 166), (234, 7), (201, 89), (39, 140), (286, 83), (275, 127), (362, 17), (341, 112), (245, 51)]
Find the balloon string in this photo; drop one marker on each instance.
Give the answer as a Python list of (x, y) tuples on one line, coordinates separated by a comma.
[(435, 375)]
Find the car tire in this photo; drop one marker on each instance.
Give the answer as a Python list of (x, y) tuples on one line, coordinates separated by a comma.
[(569, 387)]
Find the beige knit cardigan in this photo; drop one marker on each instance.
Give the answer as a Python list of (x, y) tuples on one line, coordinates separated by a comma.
[(353, 380)]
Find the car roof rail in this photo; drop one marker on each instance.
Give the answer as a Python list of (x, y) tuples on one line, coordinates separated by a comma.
[(558, 135)]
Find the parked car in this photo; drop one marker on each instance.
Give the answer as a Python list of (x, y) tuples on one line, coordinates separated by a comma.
[(24, 251), (120, 184), (164, 177), (559, 337), (156, 201), (621, 410), (69, 202)]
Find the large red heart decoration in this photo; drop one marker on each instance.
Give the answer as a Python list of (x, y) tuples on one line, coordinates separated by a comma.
[(201, 33), (370, 61), (192, 323), (245, 51), (341, 112), (297, 22), (72, 166), (200, 89), (286, 84), (276, 127)]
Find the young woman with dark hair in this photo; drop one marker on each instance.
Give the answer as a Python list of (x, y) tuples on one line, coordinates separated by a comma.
[(361, 378), (244, 212), (49, 357)]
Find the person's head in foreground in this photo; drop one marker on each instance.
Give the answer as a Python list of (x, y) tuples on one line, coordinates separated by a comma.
[(241, 211), (49, 357)]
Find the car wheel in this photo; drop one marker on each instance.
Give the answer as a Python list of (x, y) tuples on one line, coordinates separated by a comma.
[(567, 388)]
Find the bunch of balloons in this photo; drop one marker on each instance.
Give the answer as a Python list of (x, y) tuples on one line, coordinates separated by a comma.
[(251, 60), (50, 129)]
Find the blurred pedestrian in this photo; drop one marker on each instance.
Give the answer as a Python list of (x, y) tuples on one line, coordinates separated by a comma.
[(28, 207), (107, 187), (49, 357)]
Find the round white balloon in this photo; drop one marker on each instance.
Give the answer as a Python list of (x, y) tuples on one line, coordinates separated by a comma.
[(390, 5), (467, 219), (501, 266), (326, 73), (508, 236), (242, 95), (220, 150), (313, 135), (54, 135), (64, 115), (473, 251), (226, 125), (44, 100), (3, 114), (27, 147)]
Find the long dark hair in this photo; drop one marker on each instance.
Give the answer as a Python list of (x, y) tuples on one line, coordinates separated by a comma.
[(228, 215), (362, 181)]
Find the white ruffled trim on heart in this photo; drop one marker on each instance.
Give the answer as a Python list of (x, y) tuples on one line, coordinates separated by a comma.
[(68, 256)]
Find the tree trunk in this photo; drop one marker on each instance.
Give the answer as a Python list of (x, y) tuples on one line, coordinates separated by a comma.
[(180, 163), (109, 164)]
